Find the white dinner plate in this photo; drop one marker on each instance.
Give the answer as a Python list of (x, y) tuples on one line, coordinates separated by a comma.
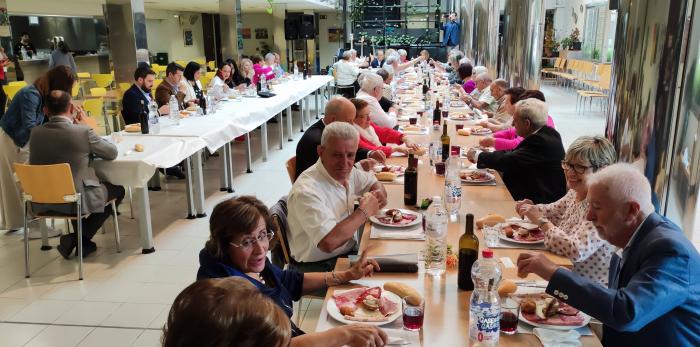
[(334, 312), (503, 236), (416, 221), (586, 320), (489, 177)]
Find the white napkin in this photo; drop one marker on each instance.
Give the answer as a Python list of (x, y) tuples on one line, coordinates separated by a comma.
[(558, 338), (409, 233)]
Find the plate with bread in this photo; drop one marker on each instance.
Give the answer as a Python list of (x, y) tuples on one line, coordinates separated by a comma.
[(396, 218), (520, 231), (375, 305), (388, 173), (476, 176), (545, 311), (479, 130), (413, 130)]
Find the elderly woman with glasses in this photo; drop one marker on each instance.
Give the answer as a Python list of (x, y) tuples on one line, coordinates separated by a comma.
[(240, 233), (567, 232)]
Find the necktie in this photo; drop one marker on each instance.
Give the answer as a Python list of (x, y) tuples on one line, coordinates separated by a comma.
[(615, 267)]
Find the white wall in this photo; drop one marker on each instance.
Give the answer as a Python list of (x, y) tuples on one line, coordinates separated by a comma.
[(257, 20), (563, 20), (59, 7), (327, 50), (165, 34)]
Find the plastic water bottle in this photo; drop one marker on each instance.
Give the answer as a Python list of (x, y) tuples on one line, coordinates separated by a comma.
[(296, 72), (154, 123), (174, 110), (263, 83), (435, 253), (446, 103), (23, 52), (485, 308), (453, 185)]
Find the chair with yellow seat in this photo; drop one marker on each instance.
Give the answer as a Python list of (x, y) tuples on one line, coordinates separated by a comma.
[(204, 81), (211, 65), (75, 91), (53, 184), (95, 108), (98, 91), (11, 91), (103, 80), (83, 75), (123, 86), (181, 63), (201, 61), (210, 74), (18, 83)]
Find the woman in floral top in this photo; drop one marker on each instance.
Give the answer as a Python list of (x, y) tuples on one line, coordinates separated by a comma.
[(567, 231)]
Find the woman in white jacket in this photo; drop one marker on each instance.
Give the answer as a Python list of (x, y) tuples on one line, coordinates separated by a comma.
[(193, 88)]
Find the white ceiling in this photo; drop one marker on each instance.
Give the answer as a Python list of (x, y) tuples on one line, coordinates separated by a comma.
[(246, 5)]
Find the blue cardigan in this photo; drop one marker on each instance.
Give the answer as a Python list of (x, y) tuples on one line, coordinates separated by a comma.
[(653, 300), (287, 286), (24, 113)]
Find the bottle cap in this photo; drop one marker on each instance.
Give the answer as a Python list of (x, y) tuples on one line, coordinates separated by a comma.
[(487, 253)]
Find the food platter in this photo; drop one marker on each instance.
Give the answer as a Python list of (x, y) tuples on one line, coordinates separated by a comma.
[(522, 232), (476, 176), (559, 317), (408, 218), (334, 310)]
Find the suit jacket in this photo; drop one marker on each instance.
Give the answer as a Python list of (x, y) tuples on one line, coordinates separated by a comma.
[(533, 169), (451, 36), (164, 91), (131, 104), (306, 148), (61, 141), (653, 299)]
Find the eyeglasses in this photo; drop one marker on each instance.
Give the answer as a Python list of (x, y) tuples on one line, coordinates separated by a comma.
[(263, 237), (579, 169)]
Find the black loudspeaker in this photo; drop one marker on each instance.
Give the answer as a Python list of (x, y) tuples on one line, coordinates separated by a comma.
[(307, 30), (614, 5), (291, 28)]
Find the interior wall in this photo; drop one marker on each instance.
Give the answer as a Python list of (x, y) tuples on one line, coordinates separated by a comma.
[(62, 7), (166, 34), (564, 22), (257, 20), (326, 49)]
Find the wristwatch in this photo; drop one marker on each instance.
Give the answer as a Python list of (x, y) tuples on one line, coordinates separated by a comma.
[(542, 221)]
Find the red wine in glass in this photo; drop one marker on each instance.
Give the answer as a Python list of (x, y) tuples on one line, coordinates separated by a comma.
[(412, 318), (509, 323)]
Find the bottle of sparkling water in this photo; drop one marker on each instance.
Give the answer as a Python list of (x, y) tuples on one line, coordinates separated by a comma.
[(485, 307), (453, 185), (154, 123), (174, 110), (435, 253)]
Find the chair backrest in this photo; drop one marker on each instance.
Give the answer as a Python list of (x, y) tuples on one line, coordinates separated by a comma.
[(11, 91), (94, 107), (291, 165), (278, 213), (123, 86), (76, 90), (211, 65), (18, 83), (181, 63), (46, 184), (98, 91), (103, 80), (201, 61), (83, 75), (210, 74)]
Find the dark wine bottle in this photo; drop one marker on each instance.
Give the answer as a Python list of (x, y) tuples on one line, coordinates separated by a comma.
[(437, 113), (203, 104), (143, 119), (468, 254), (445, 139), (410, 183)]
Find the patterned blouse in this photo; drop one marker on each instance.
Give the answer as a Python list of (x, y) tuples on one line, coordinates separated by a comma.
[(576, 238)]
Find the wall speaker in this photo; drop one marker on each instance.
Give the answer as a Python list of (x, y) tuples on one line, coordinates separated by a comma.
[(307, 29), (291, 28)]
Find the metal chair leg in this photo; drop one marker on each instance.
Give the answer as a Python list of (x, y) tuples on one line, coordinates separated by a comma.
[(131, 203), (26, 242), (117, 237), (80, 240)]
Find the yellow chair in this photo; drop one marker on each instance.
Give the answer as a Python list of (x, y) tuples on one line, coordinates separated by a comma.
[(291, 165), (18, 83), (83, 75), (211, 65), (53, 184), (159, 70), (96, 108), (103, 80), (124, 86), (181, 63), (210, 74), (76, 90), (156, 83), (11, 91), (98, 91), (201, 61), (204, 80)]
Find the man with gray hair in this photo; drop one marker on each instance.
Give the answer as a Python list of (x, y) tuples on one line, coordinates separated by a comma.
[(322, 222), (371, 90), (533, 169), (345, 72), (653, 294), (489, 99)]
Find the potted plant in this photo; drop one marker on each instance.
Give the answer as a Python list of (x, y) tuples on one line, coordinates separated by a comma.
[(566, 43), (575, 41)]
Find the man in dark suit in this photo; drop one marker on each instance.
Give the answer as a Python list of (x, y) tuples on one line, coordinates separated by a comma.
[(66, 138), (533, 169), (338, 109), (140, 92), (653, 295)]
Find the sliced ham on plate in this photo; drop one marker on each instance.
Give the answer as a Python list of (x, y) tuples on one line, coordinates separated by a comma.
[(560, 319), (387, 307), (348, 297)]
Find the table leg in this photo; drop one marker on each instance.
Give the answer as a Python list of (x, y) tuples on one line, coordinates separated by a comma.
[(224, 186), (154, 182), (188, 189), (301, 114), (318, 106), (143, 211), (198, 184), (263, 140), (281, 129), (289, 123), (307, 110), (229, 165), (247, 153)]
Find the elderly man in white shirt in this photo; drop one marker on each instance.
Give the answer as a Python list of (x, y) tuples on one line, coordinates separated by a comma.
[(489, 98), (371, 90), (322, 222), (345, 71)]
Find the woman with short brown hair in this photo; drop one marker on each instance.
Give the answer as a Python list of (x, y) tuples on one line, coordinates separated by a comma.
[(241, 230), (210, 312)]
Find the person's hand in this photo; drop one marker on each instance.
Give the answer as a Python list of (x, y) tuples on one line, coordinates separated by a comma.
[(532, 212), (401, 149), (411, 146), (363, 335), (381, 197), (521, 203), (379, 156), (241, 87), (369, 204), (487, 142), (471, 154), (484, 123), (536, 263), (368, 164), (489, 114), (163, 110), (361, 268), (80, 115)]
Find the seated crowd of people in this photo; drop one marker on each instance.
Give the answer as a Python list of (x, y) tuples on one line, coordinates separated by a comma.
[(633, 269)]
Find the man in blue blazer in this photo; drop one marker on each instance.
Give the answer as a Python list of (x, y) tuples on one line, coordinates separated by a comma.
[(653, 295), (451, 36), (139, 92)]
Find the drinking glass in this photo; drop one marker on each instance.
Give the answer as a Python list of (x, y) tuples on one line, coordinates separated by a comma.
[(440, 168), (459, 126), (413, 315), (412, 120), (510, 310), (491, 234)]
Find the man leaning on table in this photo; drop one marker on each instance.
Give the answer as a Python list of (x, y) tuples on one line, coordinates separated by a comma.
[(170, 86), (322, 220), (137, 98), (533, 169), (653, 295)]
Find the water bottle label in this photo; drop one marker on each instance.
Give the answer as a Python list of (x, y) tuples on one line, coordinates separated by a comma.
[(453, 192), (486, 325)]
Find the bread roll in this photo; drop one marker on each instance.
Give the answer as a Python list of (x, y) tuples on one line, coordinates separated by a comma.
[(386, 176), (405, 291), (490, 219), (463, 132), (138, 147), (507, 287), (133, 128)]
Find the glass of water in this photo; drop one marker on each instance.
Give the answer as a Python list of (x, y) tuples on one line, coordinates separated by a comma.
[(491, 235)]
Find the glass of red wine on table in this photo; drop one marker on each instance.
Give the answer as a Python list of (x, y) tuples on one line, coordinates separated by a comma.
[(413, 315), (510, 310)]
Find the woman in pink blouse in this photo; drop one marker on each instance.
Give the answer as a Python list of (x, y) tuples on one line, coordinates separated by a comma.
[(567, 232), (376, 138), (262, 68)]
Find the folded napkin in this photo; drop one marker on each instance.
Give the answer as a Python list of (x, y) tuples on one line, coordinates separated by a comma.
[(409, 233), (393, 262), (558, 338)]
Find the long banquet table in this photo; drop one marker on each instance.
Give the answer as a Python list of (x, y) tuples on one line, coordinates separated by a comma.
[(185, 142), (446, 306)]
